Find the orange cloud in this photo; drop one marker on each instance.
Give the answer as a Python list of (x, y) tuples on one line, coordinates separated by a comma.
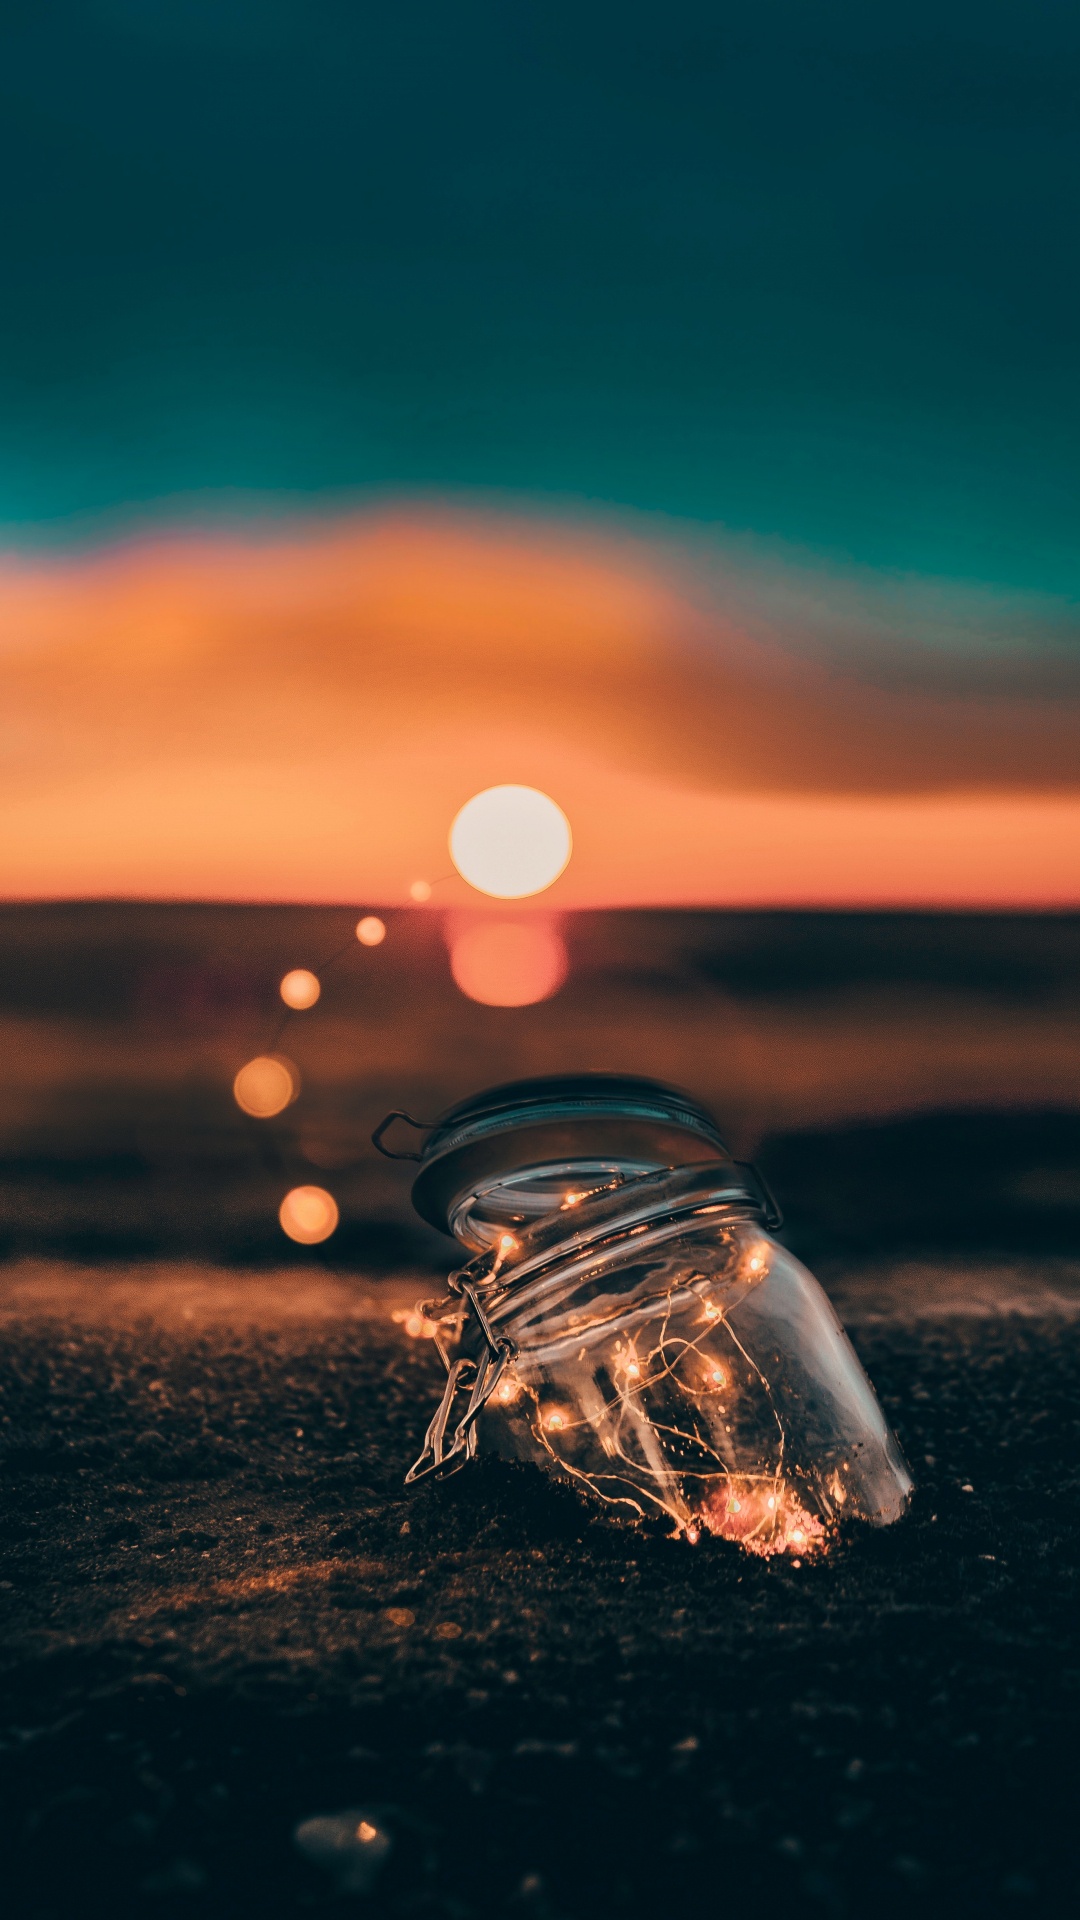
[(299, 716)]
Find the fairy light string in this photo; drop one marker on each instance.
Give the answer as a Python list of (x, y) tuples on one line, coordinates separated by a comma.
[(648, 1399), (507, 842), (269, 1083), (620, 1404)]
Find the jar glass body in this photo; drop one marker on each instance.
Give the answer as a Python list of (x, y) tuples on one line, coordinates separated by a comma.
[(670, 1357)]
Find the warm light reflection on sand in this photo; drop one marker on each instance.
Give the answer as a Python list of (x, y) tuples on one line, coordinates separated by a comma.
[(766, 1517)]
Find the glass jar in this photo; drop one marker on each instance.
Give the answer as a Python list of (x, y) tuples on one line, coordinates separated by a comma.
[(637, 1329)]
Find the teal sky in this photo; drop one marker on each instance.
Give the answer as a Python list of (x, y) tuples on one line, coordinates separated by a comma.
[(807, 273)]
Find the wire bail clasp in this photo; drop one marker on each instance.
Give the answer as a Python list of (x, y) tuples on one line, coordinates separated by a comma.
[(398, 1113), (437, 1457)]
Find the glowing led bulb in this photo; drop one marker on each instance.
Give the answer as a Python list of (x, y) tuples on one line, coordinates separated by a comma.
[(755, 1261), (555, 1421), (370, 931), (716, 1375), (416, 1325), (266, 1086), (420, 891), (633, 1371), (300, 989), (510, 841), (507, 1245), (366, 1832), (308, 1215)]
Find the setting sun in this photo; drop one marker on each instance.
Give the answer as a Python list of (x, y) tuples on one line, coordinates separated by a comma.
[(510, 842)]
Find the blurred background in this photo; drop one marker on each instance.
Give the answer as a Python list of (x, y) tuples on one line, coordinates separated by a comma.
[(907, 1082), (671, 413), (677, 415)]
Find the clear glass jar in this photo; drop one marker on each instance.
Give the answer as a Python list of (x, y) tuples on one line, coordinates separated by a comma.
[(645, 1337)]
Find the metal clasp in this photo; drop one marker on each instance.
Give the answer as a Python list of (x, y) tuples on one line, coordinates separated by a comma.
[(398, 1113), (438, 1457)]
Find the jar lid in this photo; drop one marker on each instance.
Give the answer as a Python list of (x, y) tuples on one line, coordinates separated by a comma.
[(612, 1117)]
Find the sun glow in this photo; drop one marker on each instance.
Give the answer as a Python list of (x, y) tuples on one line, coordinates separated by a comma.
[(508, 964), (510, 842)]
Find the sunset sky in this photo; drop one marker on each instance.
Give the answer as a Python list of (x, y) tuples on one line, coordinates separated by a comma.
[(676, 412)]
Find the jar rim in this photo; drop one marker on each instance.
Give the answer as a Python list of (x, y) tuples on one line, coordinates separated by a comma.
[(559, 1117), (671, 1195)]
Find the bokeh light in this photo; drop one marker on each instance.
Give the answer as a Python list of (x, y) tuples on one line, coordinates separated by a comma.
[(416, 1325), (508, 963), (266, 1085), (420, 891), (308, 1215), (370, 931), (510, 841), (300, 989)]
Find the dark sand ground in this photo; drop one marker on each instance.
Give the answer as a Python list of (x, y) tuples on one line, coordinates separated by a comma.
[(222, 1613), (225, 1615)]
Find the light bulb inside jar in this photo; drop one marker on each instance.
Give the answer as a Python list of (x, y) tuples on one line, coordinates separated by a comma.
[(668, 1357)]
